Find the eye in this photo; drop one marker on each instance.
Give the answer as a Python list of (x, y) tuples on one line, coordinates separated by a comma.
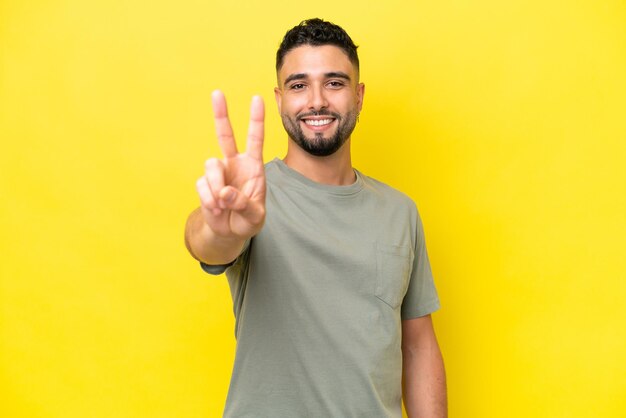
[(335, 84), (297, 86)]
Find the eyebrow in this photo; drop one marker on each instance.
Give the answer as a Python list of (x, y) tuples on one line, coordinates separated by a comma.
[(304, 76)]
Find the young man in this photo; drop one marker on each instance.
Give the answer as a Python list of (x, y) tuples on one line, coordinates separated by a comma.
[(328, 269)]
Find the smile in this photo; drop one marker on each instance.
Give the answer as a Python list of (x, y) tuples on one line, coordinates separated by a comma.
[(320, 122)]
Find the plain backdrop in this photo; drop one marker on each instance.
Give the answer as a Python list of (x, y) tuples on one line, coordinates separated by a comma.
[(504, 121)]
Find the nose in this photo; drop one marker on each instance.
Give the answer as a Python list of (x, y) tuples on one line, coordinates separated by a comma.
[(317, 98)]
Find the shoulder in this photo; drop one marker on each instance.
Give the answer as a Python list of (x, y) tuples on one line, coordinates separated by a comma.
[(388, 193), (271, 168), (399, 209), (275, 173)]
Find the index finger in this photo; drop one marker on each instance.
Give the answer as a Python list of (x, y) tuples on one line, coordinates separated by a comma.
[(255, 130), (225, 136)]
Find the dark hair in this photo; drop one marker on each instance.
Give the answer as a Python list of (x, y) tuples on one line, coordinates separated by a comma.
[(316, 32)]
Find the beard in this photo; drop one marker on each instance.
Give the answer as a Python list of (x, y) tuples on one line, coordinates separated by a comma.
[(318, 145)]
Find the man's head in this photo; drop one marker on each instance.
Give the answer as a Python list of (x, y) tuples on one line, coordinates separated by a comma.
[(318, 95), (317, 32)]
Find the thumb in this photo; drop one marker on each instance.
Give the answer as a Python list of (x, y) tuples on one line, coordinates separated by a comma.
[(233, 199)]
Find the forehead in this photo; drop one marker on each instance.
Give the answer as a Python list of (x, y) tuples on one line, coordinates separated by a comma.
[(316, 60)]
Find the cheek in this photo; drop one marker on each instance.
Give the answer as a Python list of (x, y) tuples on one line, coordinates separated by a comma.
[(294, 105), (347, 102)]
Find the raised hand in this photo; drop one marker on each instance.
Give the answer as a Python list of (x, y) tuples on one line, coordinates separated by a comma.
[(232, 190)]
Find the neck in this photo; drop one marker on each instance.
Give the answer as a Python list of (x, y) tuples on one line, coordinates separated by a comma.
[(335, 169)]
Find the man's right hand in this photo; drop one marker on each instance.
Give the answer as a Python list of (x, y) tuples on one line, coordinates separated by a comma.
[(232, 190)]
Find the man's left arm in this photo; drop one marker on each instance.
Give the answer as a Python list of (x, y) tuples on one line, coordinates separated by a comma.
[(423, 374)]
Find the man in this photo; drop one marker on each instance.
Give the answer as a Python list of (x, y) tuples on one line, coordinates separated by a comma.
[(328, 269)]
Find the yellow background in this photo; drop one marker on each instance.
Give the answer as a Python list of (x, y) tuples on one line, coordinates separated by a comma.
[(504, 120)]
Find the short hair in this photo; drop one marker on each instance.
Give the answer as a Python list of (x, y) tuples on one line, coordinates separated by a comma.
[(316, 32)]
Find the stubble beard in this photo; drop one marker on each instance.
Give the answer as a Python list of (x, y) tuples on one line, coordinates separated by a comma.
[(318, 145)]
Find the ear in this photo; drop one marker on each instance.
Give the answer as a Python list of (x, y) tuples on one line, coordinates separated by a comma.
[(360, 92), (279, 99)]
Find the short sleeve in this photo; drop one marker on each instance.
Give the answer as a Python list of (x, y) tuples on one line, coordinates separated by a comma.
[(221, 268), (421, 297), (215, 269)]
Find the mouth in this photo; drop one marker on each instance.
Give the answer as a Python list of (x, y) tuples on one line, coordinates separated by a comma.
[(318, 122)]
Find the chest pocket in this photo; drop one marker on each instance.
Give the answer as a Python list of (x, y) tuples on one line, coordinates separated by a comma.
[(393, 271)]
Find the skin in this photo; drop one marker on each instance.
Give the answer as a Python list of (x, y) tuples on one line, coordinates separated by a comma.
[(315, 83), (232, 191), (332, 97), (319, 79), (423, 373)]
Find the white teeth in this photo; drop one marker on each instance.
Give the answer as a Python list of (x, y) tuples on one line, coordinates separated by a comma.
[(317, 122)]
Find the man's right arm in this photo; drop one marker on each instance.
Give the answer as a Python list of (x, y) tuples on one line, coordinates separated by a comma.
[(205, 246), (231, 191)]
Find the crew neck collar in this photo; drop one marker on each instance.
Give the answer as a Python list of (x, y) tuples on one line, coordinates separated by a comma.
[(328, 188)]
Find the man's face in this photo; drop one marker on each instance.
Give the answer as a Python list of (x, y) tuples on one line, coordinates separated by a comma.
[(319, 97)]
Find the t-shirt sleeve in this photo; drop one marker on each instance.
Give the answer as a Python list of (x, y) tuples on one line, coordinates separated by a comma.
[(421, 297), (221, 268)]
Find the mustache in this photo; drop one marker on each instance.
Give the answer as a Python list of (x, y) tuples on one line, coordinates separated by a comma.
[(320, 113)]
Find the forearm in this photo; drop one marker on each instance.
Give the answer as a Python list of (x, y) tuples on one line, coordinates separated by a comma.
[(424, 382), (204, 245)]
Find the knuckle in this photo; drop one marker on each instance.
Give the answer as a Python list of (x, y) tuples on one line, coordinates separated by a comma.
[(213, 176), (258, 215), (202, 188), (261, 216), (206, 200), (255, 136), (211, 163), (207, 204), (241, 203)]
